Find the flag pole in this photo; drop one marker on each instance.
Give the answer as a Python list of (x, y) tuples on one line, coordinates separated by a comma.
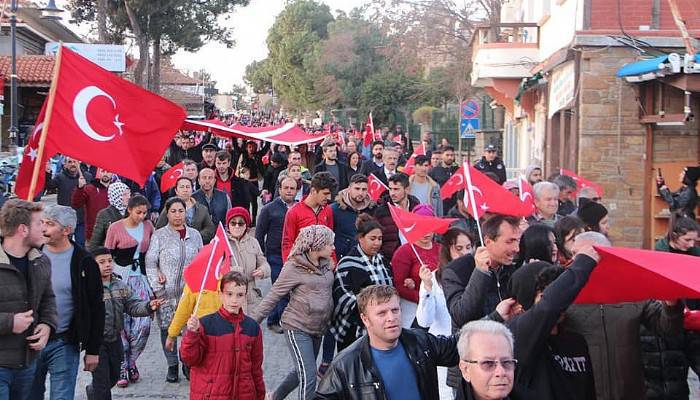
[(47, 121), (475, 213), (416, 253)]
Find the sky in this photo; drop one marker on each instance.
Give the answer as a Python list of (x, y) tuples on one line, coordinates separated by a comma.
[(250, 25)]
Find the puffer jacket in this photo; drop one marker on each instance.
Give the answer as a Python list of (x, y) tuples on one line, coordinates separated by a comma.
[(225, 357), (353, 375), (390, 232), (16, 296), (344, 218), (684, 201), (310, 296), (119, 300), (170, 255), (246, 258), (209, 302)]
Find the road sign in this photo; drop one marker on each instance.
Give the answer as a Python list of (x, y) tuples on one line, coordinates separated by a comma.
[(468, 127), (470, 109)]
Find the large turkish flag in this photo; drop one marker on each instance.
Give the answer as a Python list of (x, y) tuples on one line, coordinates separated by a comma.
[(29, 160), (104, 120)]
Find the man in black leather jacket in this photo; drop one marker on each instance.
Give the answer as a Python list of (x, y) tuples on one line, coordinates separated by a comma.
[(389, 362)]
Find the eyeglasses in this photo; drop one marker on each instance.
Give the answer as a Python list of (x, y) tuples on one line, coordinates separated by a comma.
[(490, 365), (237, 223)]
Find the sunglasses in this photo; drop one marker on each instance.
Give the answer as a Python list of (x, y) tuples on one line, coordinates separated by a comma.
[(490, 365), (237, 223)]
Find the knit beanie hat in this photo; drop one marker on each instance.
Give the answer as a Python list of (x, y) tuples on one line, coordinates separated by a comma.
[(523, 282), (691, 175), (591, 213), (238, 212), (424, 209)]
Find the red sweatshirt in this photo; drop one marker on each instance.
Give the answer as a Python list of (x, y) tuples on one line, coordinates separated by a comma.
[(405, 264), (93, 197), (301, 216)]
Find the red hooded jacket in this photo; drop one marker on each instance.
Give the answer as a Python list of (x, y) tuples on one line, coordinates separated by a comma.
[(93, 197), (226, 357)]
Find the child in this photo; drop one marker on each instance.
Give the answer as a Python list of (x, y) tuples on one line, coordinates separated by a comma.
[(118, 300), (225, 349)]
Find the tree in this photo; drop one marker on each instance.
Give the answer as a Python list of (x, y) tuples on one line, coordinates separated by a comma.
[(259, 76), (385, 93), (292, 43)]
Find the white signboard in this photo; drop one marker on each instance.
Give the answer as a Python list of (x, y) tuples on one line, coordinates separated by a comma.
[(561, 88), (111, 57)]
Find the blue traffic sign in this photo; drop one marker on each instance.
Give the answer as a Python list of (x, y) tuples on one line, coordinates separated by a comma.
[(468, 127), (470, 109)]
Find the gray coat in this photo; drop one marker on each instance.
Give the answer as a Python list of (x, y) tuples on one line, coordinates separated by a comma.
[(16, 296), (119, 300)]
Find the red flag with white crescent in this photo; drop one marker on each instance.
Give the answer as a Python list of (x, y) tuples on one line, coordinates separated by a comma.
[(369, 131), (582, 182), (414, 226), (483, 195), (411, 162), (106, 121), (29, 159), (375, 187), (210, 264), (454, 184), (171, 176), (289, 134), (527, 194)]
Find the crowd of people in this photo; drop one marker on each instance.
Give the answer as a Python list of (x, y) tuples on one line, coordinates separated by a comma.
[(448, 316)]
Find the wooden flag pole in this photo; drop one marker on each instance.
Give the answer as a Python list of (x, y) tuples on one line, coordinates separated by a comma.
[(47, 121)]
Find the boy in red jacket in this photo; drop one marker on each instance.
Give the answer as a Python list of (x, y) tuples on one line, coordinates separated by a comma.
[(225, 349)]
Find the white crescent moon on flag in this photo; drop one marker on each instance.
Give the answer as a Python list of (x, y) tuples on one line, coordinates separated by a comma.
[(460, 178), (80, 105), (410, 228), (525, 195), (37, 129)]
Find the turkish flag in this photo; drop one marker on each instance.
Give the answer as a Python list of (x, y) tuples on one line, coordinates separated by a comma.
[(210, 264), (489, 196), (369, 131), (527, 194), (171, 176), (106, 121), (29, 159), (375, 187), (414, 226), (454, 184), (628, 275), (411, 162), (582, 182)]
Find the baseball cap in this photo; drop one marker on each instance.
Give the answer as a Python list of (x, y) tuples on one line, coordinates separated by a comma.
[(490, 147), (210, 146)]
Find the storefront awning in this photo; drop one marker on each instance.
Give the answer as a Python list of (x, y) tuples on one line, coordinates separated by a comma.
[(643, 67)]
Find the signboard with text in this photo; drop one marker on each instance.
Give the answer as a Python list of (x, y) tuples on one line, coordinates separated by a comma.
[(561, 92), (111, 57)]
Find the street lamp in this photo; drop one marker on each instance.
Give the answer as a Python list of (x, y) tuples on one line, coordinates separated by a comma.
[(50, 12)]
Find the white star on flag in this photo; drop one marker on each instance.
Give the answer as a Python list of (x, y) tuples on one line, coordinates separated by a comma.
[(32, 153)]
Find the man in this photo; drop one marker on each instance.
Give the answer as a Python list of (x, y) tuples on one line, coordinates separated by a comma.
[(268, 232), (330, 164), (397, 195), (424, 187), (295, 158), (435, 160), (547, 203), (612, 334), (388, 362), (475, 284), (491, 163), (464, 220), (208, 156), (586, 195), (312, 210), (183, 147), (391, 161), (567, 191), (230, 184), (444, 171), (92, 197), (27, 301), (190, 171), (76, 283), (348, 205), (376, 162), (426, 139), (216, 201), (65, 183), (250, 158)]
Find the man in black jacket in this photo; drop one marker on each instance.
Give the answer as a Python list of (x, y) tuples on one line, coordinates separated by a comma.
[(389, 362), (330, 164), (491, 163), (76, 283), (475, 284), (216, 201), (65, 183)]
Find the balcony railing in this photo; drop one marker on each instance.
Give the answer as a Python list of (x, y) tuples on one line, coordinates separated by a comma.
[(507, 35)]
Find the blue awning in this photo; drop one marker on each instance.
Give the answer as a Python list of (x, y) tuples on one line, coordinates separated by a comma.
[(641, 67)]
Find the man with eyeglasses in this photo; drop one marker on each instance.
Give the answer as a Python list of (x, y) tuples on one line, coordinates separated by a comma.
[(388, 362), (491, 163)]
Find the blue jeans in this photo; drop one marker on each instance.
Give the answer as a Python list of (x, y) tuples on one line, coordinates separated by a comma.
[(275, 262), (15, 384), (61, 360)]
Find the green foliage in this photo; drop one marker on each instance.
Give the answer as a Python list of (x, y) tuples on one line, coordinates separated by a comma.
[(386, 92), (258, 76), (424, 115)]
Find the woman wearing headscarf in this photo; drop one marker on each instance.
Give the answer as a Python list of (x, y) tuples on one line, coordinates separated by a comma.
[(129, 239), (685, 200), (307, 277), (118, 195), (246, 255), (172, 248)]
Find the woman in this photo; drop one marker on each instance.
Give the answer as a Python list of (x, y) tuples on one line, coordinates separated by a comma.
[(538, 242), (129, 239), (456, 243), (307, 277), (173, 247), (595, 217), (406, 265), (363, 266), (354, 163), (247, 257), (196, 214), (685, 200), (565, 230), (666, 359), (118, 195)]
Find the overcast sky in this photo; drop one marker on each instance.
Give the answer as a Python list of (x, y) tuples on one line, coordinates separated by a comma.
[(250, 25)]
